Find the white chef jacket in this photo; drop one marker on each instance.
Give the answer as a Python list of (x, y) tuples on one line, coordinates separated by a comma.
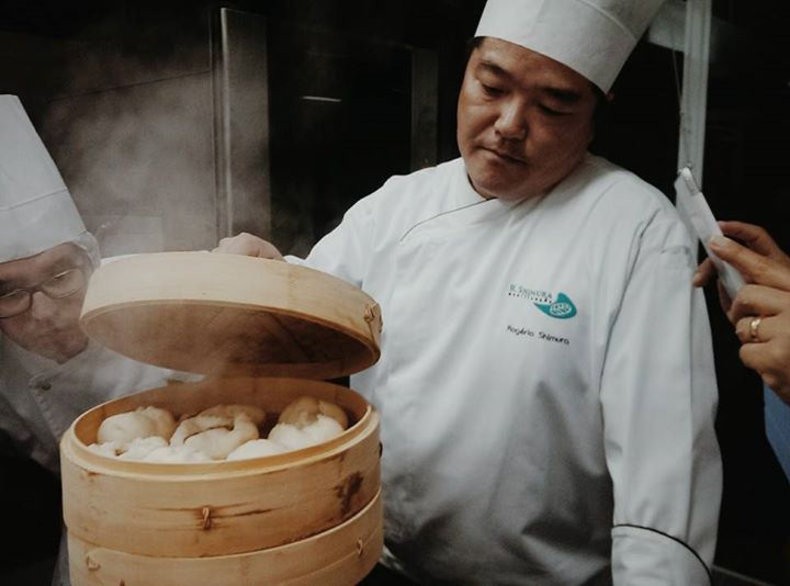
[(41, 398), (546, 382)]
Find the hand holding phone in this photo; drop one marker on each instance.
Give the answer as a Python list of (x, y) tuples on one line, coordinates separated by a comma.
[(694, 209)]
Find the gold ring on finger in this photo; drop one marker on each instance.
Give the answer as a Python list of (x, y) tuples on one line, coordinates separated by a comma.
[(754, 333)]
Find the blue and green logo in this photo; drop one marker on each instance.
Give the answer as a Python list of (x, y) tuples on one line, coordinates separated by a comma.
[(561, 308)]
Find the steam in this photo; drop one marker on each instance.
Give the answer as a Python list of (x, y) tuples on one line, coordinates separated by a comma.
[(132, 134)]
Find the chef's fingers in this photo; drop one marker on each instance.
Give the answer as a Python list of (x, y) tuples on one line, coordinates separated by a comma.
[(704, 273), (248, 245), (755, 238), (754, 329), (756, 300), (754, 267), (724, 297)]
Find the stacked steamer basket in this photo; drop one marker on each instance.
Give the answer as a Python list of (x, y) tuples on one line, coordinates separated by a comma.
[(264, 333)]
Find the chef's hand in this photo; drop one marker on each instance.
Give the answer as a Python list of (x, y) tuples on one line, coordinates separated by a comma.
[(760, 311), (249, 245)]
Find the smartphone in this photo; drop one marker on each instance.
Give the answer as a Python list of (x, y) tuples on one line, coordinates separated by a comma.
[(696, 213)]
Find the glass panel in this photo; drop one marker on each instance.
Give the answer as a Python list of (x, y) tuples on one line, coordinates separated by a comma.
[(340, 112)]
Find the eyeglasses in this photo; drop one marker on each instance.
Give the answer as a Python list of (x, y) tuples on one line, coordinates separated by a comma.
[(56, 287)]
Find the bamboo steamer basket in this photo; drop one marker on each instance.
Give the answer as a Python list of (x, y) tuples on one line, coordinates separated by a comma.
[(263, 333)]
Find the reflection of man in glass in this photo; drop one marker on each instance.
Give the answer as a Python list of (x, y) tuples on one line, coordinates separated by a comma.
[(50, 372)]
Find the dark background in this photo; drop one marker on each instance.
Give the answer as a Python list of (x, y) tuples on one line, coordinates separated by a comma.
[(324, 155)]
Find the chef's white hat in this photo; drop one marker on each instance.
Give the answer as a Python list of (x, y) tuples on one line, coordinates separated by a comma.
[(592, 37), (36, 209)]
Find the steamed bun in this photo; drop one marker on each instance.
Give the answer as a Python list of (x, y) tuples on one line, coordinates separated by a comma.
[(176, 455), (294, 438), (256, 448), (305, 411), (218, 442), (255, 414), (140, 447), (122, 428)]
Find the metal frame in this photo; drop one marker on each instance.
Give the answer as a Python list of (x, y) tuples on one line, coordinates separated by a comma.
[(241, 123), (685, 26)]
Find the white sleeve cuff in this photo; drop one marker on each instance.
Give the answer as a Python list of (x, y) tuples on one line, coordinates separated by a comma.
[(642, 556)]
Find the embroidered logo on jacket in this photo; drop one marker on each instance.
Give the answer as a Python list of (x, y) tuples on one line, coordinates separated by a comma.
[(561, 308)]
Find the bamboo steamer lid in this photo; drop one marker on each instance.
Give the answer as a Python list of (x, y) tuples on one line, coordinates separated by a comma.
[(227, 315)]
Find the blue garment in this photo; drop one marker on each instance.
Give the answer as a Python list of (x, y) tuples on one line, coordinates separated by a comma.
[(777, 428)]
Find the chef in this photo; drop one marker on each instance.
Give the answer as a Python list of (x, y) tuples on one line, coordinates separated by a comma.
[(51, 372), (546, 383)]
